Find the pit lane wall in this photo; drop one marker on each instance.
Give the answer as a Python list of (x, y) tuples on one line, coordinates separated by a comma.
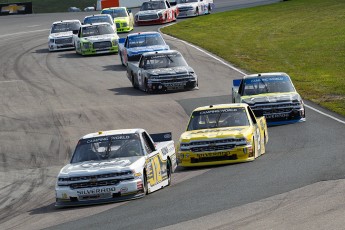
[(15, 8), (101, 4)]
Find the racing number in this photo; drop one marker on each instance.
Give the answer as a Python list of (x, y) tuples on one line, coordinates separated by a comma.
[(156, 168)]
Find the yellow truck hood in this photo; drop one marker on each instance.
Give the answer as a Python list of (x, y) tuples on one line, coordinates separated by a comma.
[(226, 132)]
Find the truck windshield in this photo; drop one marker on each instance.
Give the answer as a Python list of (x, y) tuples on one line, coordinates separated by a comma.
[(218, 118), (98, 19), (65, 27), (152, 5), (97, 30), (185, 1), (164, 61), (108, 147), (145, 40), (271, 84), (116, 13)]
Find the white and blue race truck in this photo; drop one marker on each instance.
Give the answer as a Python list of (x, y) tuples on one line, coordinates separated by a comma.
[(135, 44)]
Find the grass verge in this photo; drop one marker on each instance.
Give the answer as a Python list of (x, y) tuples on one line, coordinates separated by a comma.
[(304, 38)]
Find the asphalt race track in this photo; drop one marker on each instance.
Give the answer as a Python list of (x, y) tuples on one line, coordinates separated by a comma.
[(49, 100)]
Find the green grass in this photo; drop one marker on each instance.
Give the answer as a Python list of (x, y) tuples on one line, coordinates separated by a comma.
[(304, 38), (51, 6)]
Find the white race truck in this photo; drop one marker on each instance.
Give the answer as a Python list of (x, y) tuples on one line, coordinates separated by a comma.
[(116, 165)]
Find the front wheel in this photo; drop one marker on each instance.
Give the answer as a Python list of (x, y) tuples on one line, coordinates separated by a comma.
[(145, 186), (146, 87)]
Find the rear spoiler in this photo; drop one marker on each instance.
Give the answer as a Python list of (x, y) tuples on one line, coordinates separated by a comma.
[(235, 85), (160, 137)]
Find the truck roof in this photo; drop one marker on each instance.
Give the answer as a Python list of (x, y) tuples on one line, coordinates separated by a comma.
[(265, 75), (222, 106), (160, 52), (139, 33), (112, 132), (64, 21)]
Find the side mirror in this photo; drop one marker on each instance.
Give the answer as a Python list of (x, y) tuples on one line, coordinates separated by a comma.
[(173, 3), (75, 31), (129, 11)]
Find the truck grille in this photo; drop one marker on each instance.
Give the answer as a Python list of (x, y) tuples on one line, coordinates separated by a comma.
[(102, 45), (185, 8), (212, 148), (63, 40), (273, 108), (95, 177), (214, 145), (97, 183), (148, 17)]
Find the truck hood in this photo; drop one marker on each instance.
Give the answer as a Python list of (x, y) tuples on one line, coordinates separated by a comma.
[(99, 167), (150, 12), (99, 38), (140, 50), (171, 71), (121, 19), (62, 34), (271, 98), (226, 132)]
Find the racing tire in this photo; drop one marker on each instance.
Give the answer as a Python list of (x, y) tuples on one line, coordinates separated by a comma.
[(145, 186), (146, 89), (121, 59), (255, 152), (169, 172), (133, 82)]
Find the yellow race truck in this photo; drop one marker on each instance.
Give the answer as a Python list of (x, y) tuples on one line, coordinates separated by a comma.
[(222, 134)]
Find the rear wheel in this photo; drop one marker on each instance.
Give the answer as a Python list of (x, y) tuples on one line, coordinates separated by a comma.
[(169, 172), (135, 86), (121, 59)]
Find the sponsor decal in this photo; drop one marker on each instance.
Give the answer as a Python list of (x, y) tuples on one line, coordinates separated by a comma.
[(99, 139), (123, 189), (122, 137), (96, 191), (280, 115), (217, 154), (219, 111), (216, 130), (115, 162), (13, 9), (266, 79), (167, 136)]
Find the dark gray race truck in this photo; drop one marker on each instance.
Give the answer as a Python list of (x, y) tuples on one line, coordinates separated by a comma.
[(162, 71)]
